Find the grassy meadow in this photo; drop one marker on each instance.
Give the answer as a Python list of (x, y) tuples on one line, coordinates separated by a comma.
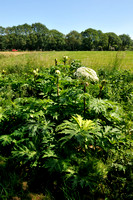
[(21, 61)]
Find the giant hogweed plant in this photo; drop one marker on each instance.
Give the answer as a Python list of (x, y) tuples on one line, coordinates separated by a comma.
[(29, 143), (119, 85), (84, 144), (93, 154), (86, 74), (74, 160)]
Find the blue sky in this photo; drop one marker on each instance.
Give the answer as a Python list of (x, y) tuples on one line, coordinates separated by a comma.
[(67, 15)]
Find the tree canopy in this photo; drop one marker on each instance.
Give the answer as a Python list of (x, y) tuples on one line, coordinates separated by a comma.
[(38, 37)]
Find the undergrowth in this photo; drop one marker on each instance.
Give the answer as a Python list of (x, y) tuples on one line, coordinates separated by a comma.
[(64, 141)]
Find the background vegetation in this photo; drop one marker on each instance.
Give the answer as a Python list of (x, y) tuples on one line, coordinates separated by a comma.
[(22, 61), (38, 37), (57, 139)]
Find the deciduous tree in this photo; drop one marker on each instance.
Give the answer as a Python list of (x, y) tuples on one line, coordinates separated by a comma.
[(126, 41), (73, 41)]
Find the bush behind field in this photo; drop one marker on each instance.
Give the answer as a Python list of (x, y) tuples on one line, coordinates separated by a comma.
[(23, 61)]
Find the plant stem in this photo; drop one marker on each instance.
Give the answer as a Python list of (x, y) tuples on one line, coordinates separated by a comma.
[(57, 86), (58, 94), (55, 62), (84, 99)]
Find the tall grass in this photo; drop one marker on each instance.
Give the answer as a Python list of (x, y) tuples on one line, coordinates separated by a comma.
[(23, 61)]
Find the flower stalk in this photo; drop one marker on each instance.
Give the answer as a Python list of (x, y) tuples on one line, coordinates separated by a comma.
[(86, 74), (55, 61), (84, 98), (65, 58), (58, 86), (57, 72)]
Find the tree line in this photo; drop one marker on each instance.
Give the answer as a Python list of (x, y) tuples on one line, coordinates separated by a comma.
[(38, 37)]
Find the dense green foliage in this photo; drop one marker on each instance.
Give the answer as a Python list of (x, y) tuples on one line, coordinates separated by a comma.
[(58, 137), (38, 37)]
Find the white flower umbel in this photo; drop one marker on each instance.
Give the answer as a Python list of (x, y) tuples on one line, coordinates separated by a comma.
[(57, 71), (86, 73)]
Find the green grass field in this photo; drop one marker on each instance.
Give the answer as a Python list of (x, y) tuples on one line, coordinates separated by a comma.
[(94, 59)]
